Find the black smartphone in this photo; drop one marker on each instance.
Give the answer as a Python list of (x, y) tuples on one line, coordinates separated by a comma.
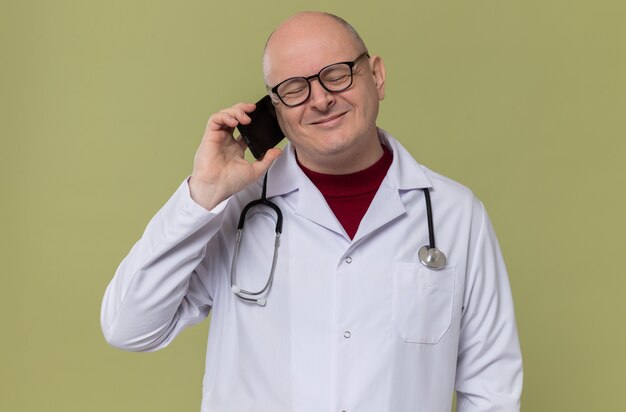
[(263, 132)]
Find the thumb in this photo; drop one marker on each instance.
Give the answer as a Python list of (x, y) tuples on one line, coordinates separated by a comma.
[(261, 166)]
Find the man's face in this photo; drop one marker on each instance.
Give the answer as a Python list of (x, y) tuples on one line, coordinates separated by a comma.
[(329, 125)]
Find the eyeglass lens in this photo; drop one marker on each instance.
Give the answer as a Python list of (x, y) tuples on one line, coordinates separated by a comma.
[(335, 78)]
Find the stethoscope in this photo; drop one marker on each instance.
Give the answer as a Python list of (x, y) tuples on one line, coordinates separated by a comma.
[(259, 296), (429, 255)]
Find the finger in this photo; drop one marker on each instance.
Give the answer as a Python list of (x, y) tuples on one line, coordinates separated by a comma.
[(246, 107), (221, 121), (240, 112), (240, 109), (242, 142), (231, 117), (261, 165)]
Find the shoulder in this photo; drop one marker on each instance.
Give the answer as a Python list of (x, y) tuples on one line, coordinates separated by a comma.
[(407, 173), (451, 199), (445, 186)]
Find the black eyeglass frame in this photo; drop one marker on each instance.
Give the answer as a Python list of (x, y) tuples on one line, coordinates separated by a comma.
[(351, 65)]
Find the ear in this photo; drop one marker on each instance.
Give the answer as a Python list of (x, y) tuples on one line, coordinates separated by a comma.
[(378, 71)]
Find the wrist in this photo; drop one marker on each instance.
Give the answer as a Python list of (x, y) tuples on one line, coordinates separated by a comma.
[(204, 194)]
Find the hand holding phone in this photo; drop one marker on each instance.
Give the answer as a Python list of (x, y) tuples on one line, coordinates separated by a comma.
[(263, 132), (219, 168)]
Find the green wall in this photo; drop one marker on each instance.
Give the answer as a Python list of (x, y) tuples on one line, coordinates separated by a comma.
[(103, 104)]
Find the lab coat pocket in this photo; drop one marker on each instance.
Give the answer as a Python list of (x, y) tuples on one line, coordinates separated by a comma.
[(422, 302)]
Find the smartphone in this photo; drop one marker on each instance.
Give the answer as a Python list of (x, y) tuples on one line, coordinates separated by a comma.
[(263, 132)]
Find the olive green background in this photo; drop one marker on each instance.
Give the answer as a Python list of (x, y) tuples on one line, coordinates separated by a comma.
[(103, 104)]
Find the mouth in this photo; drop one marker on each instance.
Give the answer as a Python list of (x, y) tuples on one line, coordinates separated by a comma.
[(328, 120)]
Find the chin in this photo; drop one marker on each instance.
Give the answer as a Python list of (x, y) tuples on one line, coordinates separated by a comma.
[(335, 142)]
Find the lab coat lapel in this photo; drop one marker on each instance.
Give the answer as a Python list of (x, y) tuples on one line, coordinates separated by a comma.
[(404, 174), (286, 176), (385, 207), (313, 206)]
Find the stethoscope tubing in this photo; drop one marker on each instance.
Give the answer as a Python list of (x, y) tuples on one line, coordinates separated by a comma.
[(429, 255), (429, 218), (244, 294)]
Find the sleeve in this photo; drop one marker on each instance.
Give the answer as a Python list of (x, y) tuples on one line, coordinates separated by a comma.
[(157, 290), (489, 363)]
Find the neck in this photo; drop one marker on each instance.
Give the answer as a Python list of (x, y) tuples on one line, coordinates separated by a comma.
[(344, 161)]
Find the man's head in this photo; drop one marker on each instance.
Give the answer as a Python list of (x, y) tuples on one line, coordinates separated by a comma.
[(333, 132)]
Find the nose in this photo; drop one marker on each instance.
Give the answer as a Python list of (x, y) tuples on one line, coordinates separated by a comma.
[(320, 98)]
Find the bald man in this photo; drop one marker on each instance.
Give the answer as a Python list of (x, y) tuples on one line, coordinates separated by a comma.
[(338, 313)]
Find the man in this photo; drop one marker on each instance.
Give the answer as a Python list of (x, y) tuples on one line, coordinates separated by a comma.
[(352, 321)]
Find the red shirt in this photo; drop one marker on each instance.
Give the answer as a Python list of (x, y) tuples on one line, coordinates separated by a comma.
[(349, 196)]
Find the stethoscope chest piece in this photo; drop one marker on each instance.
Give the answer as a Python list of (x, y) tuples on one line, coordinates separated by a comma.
[(432, 258), (430, 255)]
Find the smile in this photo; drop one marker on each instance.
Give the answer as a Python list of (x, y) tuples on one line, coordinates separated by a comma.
[(329, 121)]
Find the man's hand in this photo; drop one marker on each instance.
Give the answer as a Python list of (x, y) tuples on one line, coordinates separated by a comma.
[(219, 169)]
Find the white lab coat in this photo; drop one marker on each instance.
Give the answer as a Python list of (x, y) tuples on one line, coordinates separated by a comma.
[(350, 325)]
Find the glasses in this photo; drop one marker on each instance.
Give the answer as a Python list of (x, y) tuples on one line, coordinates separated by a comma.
[(336, 77)]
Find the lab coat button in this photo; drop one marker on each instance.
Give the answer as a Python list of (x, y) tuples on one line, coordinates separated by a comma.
[(349, 259), (347, 334)]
